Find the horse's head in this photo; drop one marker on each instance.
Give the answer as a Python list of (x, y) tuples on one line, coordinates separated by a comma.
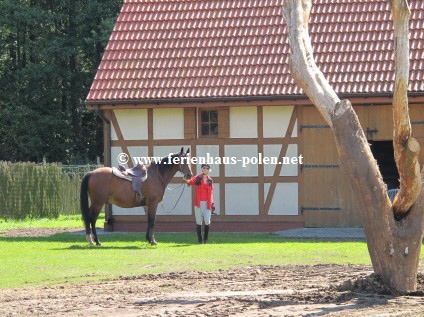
[(185, 163)]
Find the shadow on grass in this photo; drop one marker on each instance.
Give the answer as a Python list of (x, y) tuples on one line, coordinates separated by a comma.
[(181, 239), (82, 247), (142, 246)]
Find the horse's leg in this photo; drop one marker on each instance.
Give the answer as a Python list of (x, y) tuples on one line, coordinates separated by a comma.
[(151, 218), (86, 207), (95, 211), (88, 234), (146, 211)]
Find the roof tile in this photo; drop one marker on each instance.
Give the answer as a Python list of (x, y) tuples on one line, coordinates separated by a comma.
[(198, 48)]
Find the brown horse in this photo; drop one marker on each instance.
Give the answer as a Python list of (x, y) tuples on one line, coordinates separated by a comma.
[(104, 187)]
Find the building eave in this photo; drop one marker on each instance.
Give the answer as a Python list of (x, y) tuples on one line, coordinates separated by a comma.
[(364, 98)]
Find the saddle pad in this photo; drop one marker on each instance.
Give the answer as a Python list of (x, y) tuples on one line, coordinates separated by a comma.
[(117, 173)]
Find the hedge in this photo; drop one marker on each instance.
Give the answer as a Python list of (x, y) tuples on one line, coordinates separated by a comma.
[(30, 190)]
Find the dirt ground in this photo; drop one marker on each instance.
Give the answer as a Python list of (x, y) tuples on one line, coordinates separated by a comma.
[(320, 290), (37, 232)]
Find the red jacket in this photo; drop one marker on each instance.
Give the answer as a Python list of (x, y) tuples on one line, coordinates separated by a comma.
[(192, 181)]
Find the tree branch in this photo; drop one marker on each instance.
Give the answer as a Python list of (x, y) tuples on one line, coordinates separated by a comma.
[(302, 64), (406, 148)]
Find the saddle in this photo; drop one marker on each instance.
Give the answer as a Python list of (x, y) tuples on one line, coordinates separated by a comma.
[(137, 175)]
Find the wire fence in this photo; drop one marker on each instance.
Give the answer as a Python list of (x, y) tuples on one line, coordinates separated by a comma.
[(30, 190)]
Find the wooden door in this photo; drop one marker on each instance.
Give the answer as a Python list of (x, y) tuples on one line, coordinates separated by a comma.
[(320, 172), (327, 195), (379, 124), (416, 113)]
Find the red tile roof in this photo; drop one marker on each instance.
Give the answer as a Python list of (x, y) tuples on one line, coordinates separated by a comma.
[(166, 49)]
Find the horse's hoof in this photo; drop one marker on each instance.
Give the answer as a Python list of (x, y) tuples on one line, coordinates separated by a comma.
[(153, 242), (89, 240), (98, 244)]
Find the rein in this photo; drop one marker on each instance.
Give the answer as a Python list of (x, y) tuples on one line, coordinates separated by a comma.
[(166, 187), (161, 178), (173, 208)]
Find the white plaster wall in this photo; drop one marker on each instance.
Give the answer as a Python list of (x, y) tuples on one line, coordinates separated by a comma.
[(213, 151), (168, 123), (133, 124), (216, 198), (239, 151), (276, 121), (285, 199), (243, 122), (118, 211), (294, 133), (164, 150), (241, 199), (114, 152), (172, 193), (139, 151), (273, 150), (161, 151)]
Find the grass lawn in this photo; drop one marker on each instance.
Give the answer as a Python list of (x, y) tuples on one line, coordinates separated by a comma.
[(61, 222), (65, 257), (26, 261)]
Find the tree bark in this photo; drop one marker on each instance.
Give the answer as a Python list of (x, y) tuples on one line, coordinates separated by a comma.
[(394, 246), (405, 147)]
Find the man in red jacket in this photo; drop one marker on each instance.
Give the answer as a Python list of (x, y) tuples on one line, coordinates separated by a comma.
[(203, 204)]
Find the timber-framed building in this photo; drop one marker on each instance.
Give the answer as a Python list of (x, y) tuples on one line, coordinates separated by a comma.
[(213, 76)]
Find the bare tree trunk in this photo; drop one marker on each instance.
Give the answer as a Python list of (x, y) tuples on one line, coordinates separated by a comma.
[(394, 246), (406, 148)]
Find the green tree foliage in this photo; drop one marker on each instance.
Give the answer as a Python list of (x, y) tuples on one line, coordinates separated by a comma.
[(49, 54)]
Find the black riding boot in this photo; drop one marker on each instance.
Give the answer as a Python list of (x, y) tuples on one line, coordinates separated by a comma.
[(199, 233), (205, 237)]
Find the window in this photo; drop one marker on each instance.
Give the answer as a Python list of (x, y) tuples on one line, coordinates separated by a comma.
[(209, 123)]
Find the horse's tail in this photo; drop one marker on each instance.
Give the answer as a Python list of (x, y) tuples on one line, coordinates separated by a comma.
[(85, 209)]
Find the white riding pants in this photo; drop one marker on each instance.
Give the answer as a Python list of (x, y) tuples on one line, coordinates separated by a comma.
[(203, 213)]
